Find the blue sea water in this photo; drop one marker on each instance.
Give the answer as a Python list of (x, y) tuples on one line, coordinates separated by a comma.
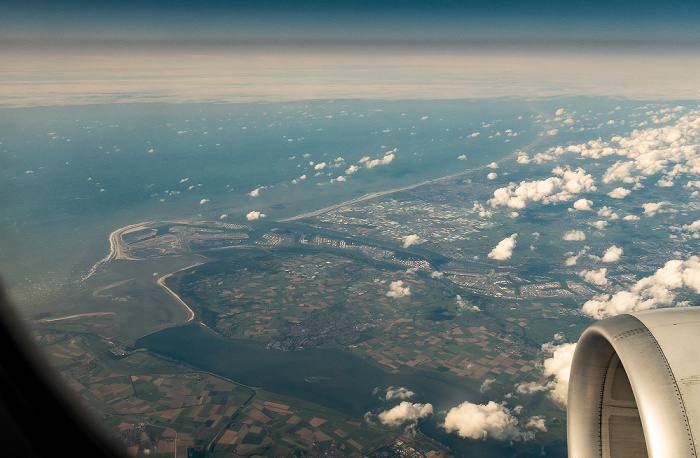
[(70, 175)]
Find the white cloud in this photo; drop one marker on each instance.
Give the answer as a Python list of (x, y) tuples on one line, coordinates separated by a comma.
[(410, 240), (405, 412), (537, 422), (256, 192), (523, 158), (612, 254), (320, 166), (473, 135), (398, 393), (559, 112), (669, 150), (436, 274), (479, 421), (583, 204), (504, 249), (388, 157), (572, 260), (559, 366), (574, 235), (466, 305), (631, 218), (619, 193), (462, 157), (486, 385), (396, 289), (559, 188), (597, 277), (184, 180), (254, 215), (651, 208), (224, 216), (649, 292), (494, 165), (492, 176), (203, 201)]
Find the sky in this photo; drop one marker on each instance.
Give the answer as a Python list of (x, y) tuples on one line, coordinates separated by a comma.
[(57, 52), (411, 23)]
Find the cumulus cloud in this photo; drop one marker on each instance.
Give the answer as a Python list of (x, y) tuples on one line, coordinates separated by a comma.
[(398, 393), (492, 176), (597, 277), (464, 304), (494, 165), (404, 413), (619, 193), (351, 169), (479, 421), (669, 150), (607, 212), (537, 422), (203, 201), (462, 157), (559, 188), (631, 218), (504, 249), (254, 215), (558, 366), (436, 274), (388, 157), (650, 292), (482, 210), (486, 385), (651, 208), (410, 240), (396, 289), (523, 158), (256, 192), (612, 254), (574, 235), (583, 204), (573, 258), (320, 166)]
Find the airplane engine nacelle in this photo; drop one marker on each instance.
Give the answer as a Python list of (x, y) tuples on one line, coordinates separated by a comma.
[(634, 387)]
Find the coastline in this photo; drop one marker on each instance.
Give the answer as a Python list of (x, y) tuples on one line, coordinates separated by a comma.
[(161, 283)]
